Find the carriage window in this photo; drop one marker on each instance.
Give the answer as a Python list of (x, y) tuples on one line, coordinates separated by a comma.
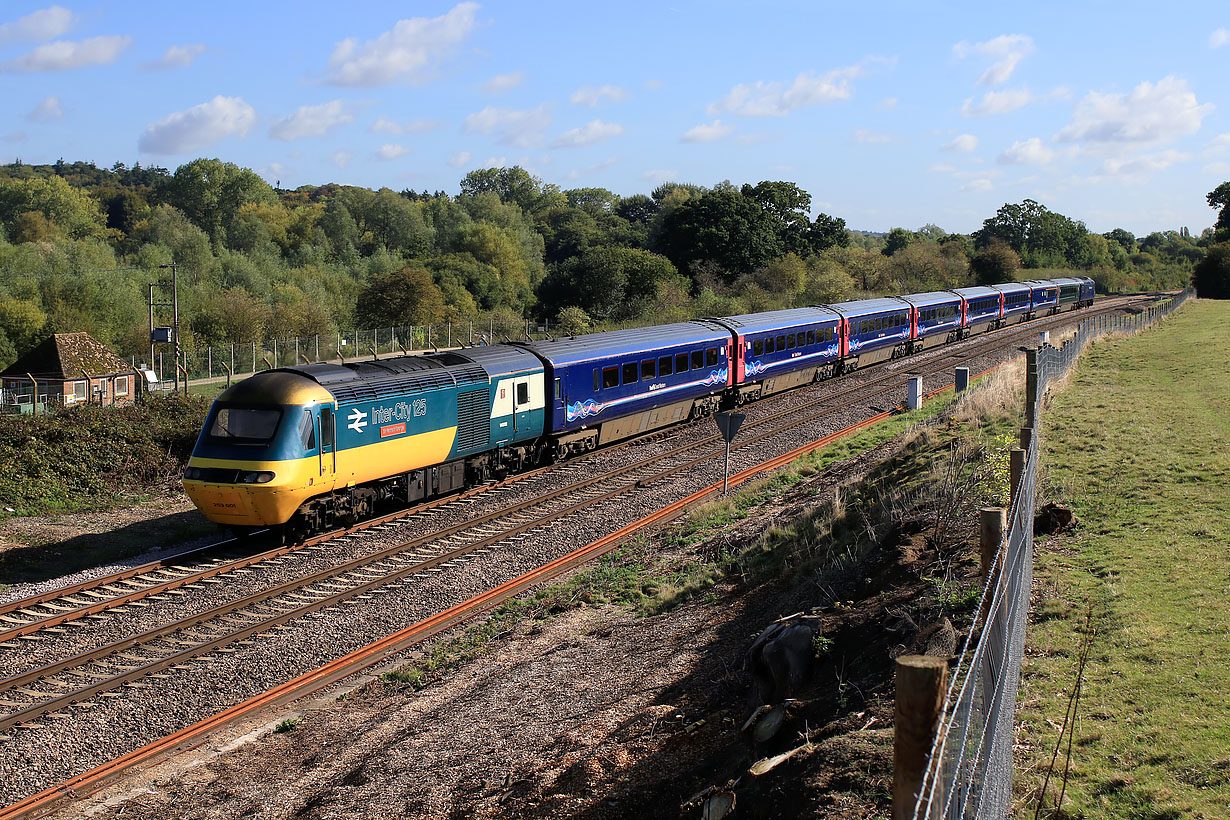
[(326, 427), (681, 363), (790, 342), (780, 344), (307, 431), (758, 347), (768, 345), (630, 373), (711, 357), (559, 390), (610, 377), (664, 366), (811, 337), (649, 369), (698, 359), (597, 381)]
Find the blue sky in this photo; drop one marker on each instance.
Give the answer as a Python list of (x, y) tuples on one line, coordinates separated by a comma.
[(892, 114)]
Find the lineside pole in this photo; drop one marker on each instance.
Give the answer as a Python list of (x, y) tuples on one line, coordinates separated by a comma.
[(921, 681)]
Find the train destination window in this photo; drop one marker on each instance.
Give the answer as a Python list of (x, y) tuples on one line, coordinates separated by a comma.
[(649, 369), (610, 377), (664, 366), (711, 357), (629, 372), (681, 363), (758, 347), (698, 359), (307, 431)]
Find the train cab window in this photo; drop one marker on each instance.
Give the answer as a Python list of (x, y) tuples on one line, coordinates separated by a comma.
[(711, 357), (790, 342), (664, 366), (307, 431), (698, 359), (681, 363), (758, 347), (610, 377), (780, 344), (630, 373), (811, 337), (649, 369), (245, 424), (326, 427)]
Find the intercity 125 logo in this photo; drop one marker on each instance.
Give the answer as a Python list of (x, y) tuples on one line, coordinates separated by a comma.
[(358, 420)]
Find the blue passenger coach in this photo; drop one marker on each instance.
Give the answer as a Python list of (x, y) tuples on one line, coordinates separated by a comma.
[(982, 308), (937, 318), (608, 386), (1044, 297), (875, 330), (781, 349), (1016, 300)]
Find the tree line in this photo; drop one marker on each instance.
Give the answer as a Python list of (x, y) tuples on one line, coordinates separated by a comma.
[(78, 244)]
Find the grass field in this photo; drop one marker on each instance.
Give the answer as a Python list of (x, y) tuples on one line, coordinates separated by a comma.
[(1137, 446)]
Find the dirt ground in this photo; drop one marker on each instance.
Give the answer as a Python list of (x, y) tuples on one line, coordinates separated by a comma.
[(593, 713)]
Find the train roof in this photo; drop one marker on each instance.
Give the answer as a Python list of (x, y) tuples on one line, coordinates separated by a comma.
[(1066, 280), (1040, 283), (935, 297), (635, 341), (976, 292), (864, 307), (501, 359), (394, 375), (778, 319), (1011, 287)]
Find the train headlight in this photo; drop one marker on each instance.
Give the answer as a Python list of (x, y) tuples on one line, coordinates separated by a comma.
[(263, 477), (193, 473)]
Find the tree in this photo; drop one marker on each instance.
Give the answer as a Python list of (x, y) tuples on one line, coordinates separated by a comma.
[(1211, 277), (1219, 197), (210, 192), (636, 208), (514, 185), (897, 239), (71, 210), (1041, 238), (995, 264), (572, 321), (402, 297), (828, 232), (724, 227), (1124, 238), (231, 315), (22, 322), (607, 282), (786, 276)]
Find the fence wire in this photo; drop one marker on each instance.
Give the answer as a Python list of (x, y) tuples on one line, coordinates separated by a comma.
[(971, 774)]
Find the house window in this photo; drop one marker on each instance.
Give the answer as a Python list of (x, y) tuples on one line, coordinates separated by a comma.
[(79, 390), (121, 385)]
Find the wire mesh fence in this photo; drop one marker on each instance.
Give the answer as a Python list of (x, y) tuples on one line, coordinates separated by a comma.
[(970, 775)]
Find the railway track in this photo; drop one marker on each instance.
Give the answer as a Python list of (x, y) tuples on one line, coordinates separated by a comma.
[(60, 689), (47, 691)]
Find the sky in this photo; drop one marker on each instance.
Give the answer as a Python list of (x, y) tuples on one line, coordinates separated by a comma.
[(892, 114)]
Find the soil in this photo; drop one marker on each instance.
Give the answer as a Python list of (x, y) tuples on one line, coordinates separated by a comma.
[(591, 713)]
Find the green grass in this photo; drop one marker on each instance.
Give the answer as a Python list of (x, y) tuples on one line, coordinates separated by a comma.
[(1136, 445)]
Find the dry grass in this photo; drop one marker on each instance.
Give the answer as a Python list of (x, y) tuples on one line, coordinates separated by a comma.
[(993, 396)]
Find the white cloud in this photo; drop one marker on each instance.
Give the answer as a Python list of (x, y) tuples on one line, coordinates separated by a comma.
[(659, 175), (406, 53), (495, 162), (887, 104), (63, 55), (341, 158), (47, 110), (38, 26), (1150, 114), (1217, 146), (593, 96), (865, 136), (979, 185), (590, 170), (1142, 164), (459, 159), (178, 57), (942, 168), (504, 82), (961, 144), (311, 121), (1006, 50), (1219, 168), (592, 132), (520, 128), (384, 125), (707, 132), (1219, 38), (758, 138), (201, 125), (774, 99), (275, 171), (653, 84), (998, 102), (1029, 152), (391, 151)]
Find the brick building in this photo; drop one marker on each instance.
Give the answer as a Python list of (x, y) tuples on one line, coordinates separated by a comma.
[(68, 369)]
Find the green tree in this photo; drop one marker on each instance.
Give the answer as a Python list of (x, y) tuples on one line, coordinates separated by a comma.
[(1123, 238), (786, 276), (1219, 197), (897, 239), (828, 232), (637, 208), (572, 321), (995, 264), (22, 322), (723, 227), (1211, 277), (210, 192), (232, 315), (514, 185), (71, 210), (402, 297)]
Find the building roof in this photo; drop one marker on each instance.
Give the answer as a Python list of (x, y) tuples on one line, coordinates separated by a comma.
[(69, 356)]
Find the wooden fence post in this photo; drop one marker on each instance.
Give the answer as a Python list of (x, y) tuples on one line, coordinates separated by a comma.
[(921, 682), (1016, 468), (992, 521)]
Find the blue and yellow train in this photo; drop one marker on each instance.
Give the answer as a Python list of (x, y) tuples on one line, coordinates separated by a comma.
[(313, 447)]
